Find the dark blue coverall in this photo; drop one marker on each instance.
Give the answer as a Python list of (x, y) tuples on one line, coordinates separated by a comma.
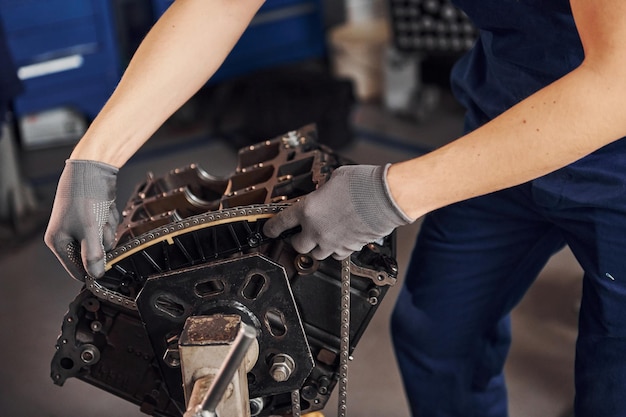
[(473, 261)]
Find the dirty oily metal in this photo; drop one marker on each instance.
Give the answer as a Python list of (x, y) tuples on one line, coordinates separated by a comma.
[(191, 245)]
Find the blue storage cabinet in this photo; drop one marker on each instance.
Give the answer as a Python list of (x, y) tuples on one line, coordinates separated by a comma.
[(65, 52), (282, 32), (68, 56)]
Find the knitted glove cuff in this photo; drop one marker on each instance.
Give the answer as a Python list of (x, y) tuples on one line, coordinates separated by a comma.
[(373, 201), (87, 179)]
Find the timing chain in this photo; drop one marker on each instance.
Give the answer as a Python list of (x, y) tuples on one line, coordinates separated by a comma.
[(207, 220), (295, 403), (166, 233), (344, 346)]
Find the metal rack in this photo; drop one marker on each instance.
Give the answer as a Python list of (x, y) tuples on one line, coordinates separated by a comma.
[(422, 31), (430, 27)]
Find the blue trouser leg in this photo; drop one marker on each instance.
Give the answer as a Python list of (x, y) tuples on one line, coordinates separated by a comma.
[(593, 222), (472, 263)]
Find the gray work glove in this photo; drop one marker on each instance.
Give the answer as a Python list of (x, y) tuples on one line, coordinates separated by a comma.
[(84, 217), (351, 210)]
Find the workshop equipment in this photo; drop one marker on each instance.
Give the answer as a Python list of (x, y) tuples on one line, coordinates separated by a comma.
[(215, 350), (59, 126), (17, 197), (191, 265), (424, 33), (430, 27), (65, 52)]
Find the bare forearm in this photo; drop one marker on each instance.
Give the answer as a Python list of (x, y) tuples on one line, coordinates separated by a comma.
[(552, 128), (181, 52)]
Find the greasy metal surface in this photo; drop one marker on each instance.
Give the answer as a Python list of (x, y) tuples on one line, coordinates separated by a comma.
[(174, 260), (214, 371), (126, 367), (200, 387), (228, 387), (210, 330), (177, 291), (120, 285), (279, 170)]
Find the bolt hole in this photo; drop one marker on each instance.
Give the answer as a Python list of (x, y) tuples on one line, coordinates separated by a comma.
[(91, 304), (306, 264), (209, 288), (275, 322), (67, 363), (169, 306), (254, 286)]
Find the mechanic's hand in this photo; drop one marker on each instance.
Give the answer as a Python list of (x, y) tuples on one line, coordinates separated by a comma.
[(351, 210), (84, 217)]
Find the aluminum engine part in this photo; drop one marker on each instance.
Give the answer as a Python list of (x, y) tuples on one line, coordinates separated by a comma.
[(191, 244)]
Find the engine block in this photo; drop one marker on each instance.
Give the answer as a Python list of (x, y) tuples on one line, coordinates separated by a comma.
[(190, 244)]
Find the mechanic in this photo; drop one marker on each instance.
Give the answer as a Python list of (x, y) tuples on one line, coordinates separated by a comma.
[(541, 166)]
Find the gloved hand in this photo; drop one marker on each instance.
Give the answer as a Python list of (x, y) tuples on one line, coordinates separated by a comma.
[(351, 210), (84, 217)]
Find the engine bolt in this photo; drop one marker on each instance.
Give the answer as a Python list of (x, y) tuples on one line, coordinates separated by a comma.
[(256, 406), (90, 355), (282, 367), (96, 326)]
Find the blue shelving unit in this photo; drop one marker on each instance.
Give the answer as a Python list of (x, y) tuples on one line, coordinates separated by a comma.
[(68, 54), (65, 51)]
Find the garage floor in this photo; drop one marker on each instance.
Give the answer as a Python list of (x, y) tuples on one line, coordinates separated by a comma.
[(35, 291)]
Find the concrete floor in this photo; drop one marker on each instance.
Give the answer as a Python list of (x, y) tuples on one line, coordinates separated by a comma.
[(35, 292)]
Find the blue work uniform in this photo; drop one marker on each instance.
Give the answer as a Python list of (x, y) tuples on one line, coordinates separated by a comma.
[(473, 261)]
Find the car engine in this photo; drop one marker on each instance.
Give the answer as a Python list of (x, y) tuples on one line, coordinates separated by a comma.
[(191, 245)]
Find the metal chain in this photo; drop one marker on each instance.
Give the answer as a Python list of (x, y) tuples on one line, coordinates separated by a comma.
[(164, 233), (344, 347), (241, 213), (295, 403)]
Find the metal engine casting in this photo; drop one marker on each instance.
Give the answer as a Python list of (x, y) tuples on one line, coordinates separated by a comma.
[(191, 244)]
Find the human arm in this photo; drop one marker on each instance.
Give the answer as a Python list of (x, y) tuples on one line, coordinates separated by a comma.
[(179, 54), (559, 124), (182, 51), (554, 127)]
